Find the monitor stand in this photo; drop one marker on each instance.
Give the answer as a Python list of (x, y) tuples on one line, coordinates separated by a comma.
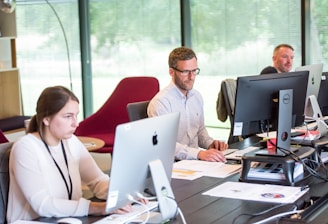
[(284, 125), (287, 163), (167, 205)]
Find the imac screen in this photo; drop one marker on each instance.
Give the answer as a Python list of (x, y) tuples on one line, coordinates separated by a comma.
[(256, 101), (136, 145)]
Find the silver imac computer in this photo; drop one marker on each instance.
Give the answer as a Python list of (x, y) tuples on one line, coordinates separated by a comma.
[(312, 109), (142, 162), (315, 73)]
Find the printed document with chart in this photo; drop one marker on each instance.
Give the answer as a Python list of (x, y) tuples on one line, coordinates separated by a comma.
[(193, 169)]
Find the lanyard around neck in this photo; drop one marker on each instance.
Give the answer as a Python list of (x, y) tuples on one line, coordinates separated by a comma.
[(69, 189)]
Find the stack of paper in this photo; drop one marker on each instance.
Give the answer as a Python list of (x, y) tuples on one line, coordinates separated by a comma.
[(273, 171), (192, 169)]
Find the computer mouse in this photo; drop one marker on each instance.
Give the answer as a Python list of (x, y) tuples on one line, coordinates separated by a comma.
[(69, 220)]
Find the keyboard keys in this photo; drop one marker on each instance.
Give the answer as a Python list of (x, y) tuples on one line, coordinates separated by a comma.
[(137, 211)]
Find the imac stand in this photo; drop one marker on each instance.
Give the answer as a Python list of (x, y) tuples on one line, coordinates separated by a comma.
[(314, 105), (317, 116), (165, 197)]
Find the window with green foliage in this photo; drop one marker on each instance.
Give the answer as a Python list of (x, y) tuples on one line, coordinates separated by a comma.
[(319, 32), (237, 38), (133, 38), (48, 48)]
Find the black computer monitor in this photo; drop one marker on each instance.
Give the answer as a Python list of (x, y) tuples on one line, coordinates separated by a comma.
[(142, 162), (256, 101), (323, 94)]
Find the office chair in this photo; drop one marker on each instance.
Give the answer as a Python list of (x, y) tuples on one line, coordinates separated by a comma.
[(226, 106), (4, 178), (102, 124), (137, 110)]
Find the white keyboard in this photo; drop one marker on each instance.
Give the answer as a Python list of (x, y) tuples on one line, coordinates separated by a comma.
[(238, 154), (137, 210), (228, 151)]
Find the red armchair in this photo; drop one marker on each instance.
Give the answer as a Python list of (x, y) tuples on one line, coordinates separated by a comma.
[(3, 138), (102, 123)]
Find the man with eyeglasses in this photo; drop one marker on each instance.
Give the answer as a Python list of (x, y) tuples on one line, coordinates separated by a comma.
[(282, 58), (193, 141)]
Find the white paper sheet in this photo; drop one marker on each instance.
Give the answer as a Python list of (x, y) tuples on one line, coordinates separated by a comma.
[(257, 192)]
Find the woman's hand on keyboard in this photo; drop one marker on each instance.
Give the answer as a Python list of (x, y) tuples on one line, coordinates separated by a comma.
[(128, 208), (125, 209), (99, 208)]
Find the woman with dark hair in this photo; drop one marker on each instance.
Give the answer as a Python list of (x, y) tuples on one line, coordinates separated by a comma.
[(48, 165)]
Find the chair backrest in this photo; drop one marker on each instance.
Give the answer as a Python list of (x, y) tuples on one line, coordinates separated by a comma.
[(3, 138), (113, 111), (137, 110), (228, 88), (4, 178)]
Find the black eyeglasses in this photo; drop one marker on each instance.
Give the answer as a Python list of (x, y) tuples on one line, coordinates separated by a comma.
[(187, 72)]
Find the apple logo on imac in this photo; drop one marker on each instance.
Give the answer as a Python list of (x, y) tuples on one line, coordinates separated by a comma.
[(155, 140)]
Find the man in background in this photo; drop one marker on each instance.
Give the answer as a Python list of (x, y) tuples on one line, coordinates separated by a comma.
[(193, 140), (283, 56)]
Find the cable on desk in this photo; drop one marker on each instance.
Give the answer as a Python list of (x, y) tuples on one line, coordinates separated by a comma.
[(312, 166), (149, 198), (182, 216), (142, 204), (279, 216), (305, 134), (323, 164), (178, 211), (309, 164), (260, 213)]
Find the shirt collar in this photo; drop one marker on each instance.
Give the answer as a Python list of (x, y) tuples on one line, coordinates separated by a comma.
[(190, 93)]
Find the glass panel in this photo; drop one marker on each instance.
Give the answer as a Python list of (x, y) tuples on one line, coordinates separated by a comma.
[(131, 38), (236, 38), (43, 58), (319, 32)]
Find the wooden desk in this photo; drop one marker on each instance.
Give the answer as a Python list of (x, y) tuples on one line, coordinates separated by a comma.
[(92, 144)]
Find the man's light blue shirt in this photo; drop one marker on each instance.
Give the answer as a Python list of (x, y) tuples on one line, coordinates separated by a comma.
[(192, 134)]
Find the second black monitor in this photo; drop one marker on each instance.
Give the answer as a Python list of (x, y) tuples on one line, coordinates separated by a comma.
[(256, 101)]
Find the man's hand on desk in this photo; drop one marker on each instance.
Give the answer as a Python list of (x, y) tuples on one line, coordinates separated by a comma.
[(218, 145), (211, 155)]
